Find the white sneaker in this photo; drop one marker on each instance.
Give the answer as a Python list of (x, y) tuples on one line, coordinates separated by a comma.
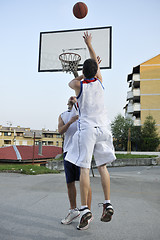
[(86, 218), (73, 214)]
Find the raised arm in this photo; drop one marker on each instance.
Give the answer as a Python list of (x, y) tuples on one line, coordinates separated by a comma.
[(75, 84), (62, 127), (88, 39)]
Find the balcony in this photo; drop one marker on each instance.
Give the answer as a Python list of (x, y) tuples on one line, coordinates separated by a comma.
[(129, 95), (136, 107), (136, 80), (133, 108), (137, 122), (136, 94), (130, 108), (128, 115), (136, 77)]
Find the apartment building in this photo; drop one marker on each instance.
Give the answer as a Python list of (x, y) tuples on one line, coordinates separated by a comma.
[(143, 98), (27, 137)]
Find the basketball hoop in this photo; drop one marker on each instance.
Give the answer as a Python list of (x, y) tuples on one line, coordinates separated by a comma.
[(70, 62)]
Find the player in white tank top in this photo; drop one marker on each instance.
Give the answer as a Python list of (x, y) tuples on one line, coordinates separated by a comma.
[(93, 137), (67, 125), (66, 117), (92, 111)]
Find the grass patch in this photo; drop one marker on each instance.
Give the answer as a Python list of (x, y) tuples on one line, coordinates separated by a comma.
[(122, 156), (59, 158), (35, 169), (26, 169)]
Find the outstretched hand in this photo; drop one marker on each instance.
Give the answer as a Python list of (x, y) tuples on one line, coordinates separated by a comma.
[(73, 99), (87, 37)]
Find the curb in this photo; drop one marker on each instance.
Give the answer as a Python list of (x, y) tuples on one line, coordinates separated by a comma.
[(58, 165)]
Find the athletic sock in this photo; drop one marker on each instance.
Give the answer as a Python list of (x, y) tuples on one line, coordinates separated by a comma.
[(83, 206), (107, 201)]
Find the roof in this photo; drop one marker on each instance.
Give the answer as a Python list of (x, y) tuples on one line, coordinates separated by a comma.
[(38, 134), (23, 153), (27, 131), (11, 129), (153, 60), (7, 153)]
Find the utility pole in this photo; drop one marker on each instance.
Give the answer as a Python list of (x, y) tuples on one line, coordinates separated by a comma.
[(14, 138), (33, 148), (129, 141)]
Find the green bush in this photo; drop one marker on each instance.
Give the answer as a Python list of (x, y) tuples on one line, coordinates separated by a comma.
[(149, 144)]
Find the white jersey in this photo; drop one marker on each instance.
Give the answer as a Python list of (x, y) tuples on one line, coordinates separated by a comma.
[(92, 111), (66, 117)]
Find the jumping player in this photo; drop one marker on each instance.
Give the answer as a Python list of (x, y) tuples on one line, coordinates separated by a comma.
[(93, 136), (67, 125)]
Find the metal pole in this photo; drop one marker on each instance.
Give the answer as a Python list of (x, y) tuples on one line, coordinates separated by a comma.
[(33, 148), (129, 141), (92, 170)]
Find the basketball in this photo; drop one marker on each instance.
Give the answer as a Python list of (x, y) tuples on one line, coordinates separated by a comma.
[(80, 10)]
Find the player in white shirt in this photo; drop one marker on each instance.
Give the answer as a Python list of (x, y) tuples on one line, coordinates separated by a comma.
[(67, 125), (93, 136)]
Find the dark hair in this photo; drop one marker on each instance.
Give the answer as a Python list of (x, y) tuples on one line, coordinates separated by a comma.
[(90, 68)]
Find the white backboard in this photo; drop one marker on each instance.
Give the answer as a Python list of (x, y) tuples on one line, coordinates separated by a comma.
[(52, 44)]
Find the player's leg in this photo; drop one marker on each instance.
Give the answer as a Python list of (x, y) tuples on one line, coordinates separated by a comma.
[(107, 206), (72, 193), (73, 211), (85, 191), (104, 153), (105, 181), (70, 180), (87, 144), (85, 141), (85, 188), (89, 200), (84, 185)]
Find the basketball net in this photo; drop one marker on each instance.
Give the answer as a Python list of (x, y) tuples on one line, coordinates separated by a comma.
[(70, 62)]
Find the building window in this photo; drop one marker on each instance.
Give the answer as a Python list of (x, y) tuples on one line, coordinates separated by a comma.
[(24, 143), (57, 143), (19, 134), (7, 142), (58, 136), (48, 135)]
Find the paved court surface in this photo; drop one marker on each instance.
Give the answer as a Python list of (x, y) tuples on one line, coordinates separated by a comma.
[(31, 207)]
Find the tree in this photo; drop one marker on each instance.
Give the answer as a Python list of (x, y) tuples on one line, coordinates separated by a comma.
[(143, 138), (136, 138), (149, 135), (120, 127)]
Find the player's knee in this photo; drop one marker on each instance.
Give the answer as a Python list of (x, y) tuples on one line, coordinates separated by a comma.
[(102, 168), (71, 185)]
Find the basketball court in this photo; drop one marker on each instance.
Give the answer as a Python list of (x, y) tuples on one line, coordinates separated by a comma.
[(32, 206)]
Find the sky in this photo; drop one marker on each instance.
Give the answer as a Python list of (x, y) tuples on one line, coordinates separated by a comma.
[(33, 99)]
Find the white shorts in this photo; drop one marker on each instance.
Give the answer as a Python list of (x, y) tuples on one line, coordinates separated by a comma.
[(95, 141)]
